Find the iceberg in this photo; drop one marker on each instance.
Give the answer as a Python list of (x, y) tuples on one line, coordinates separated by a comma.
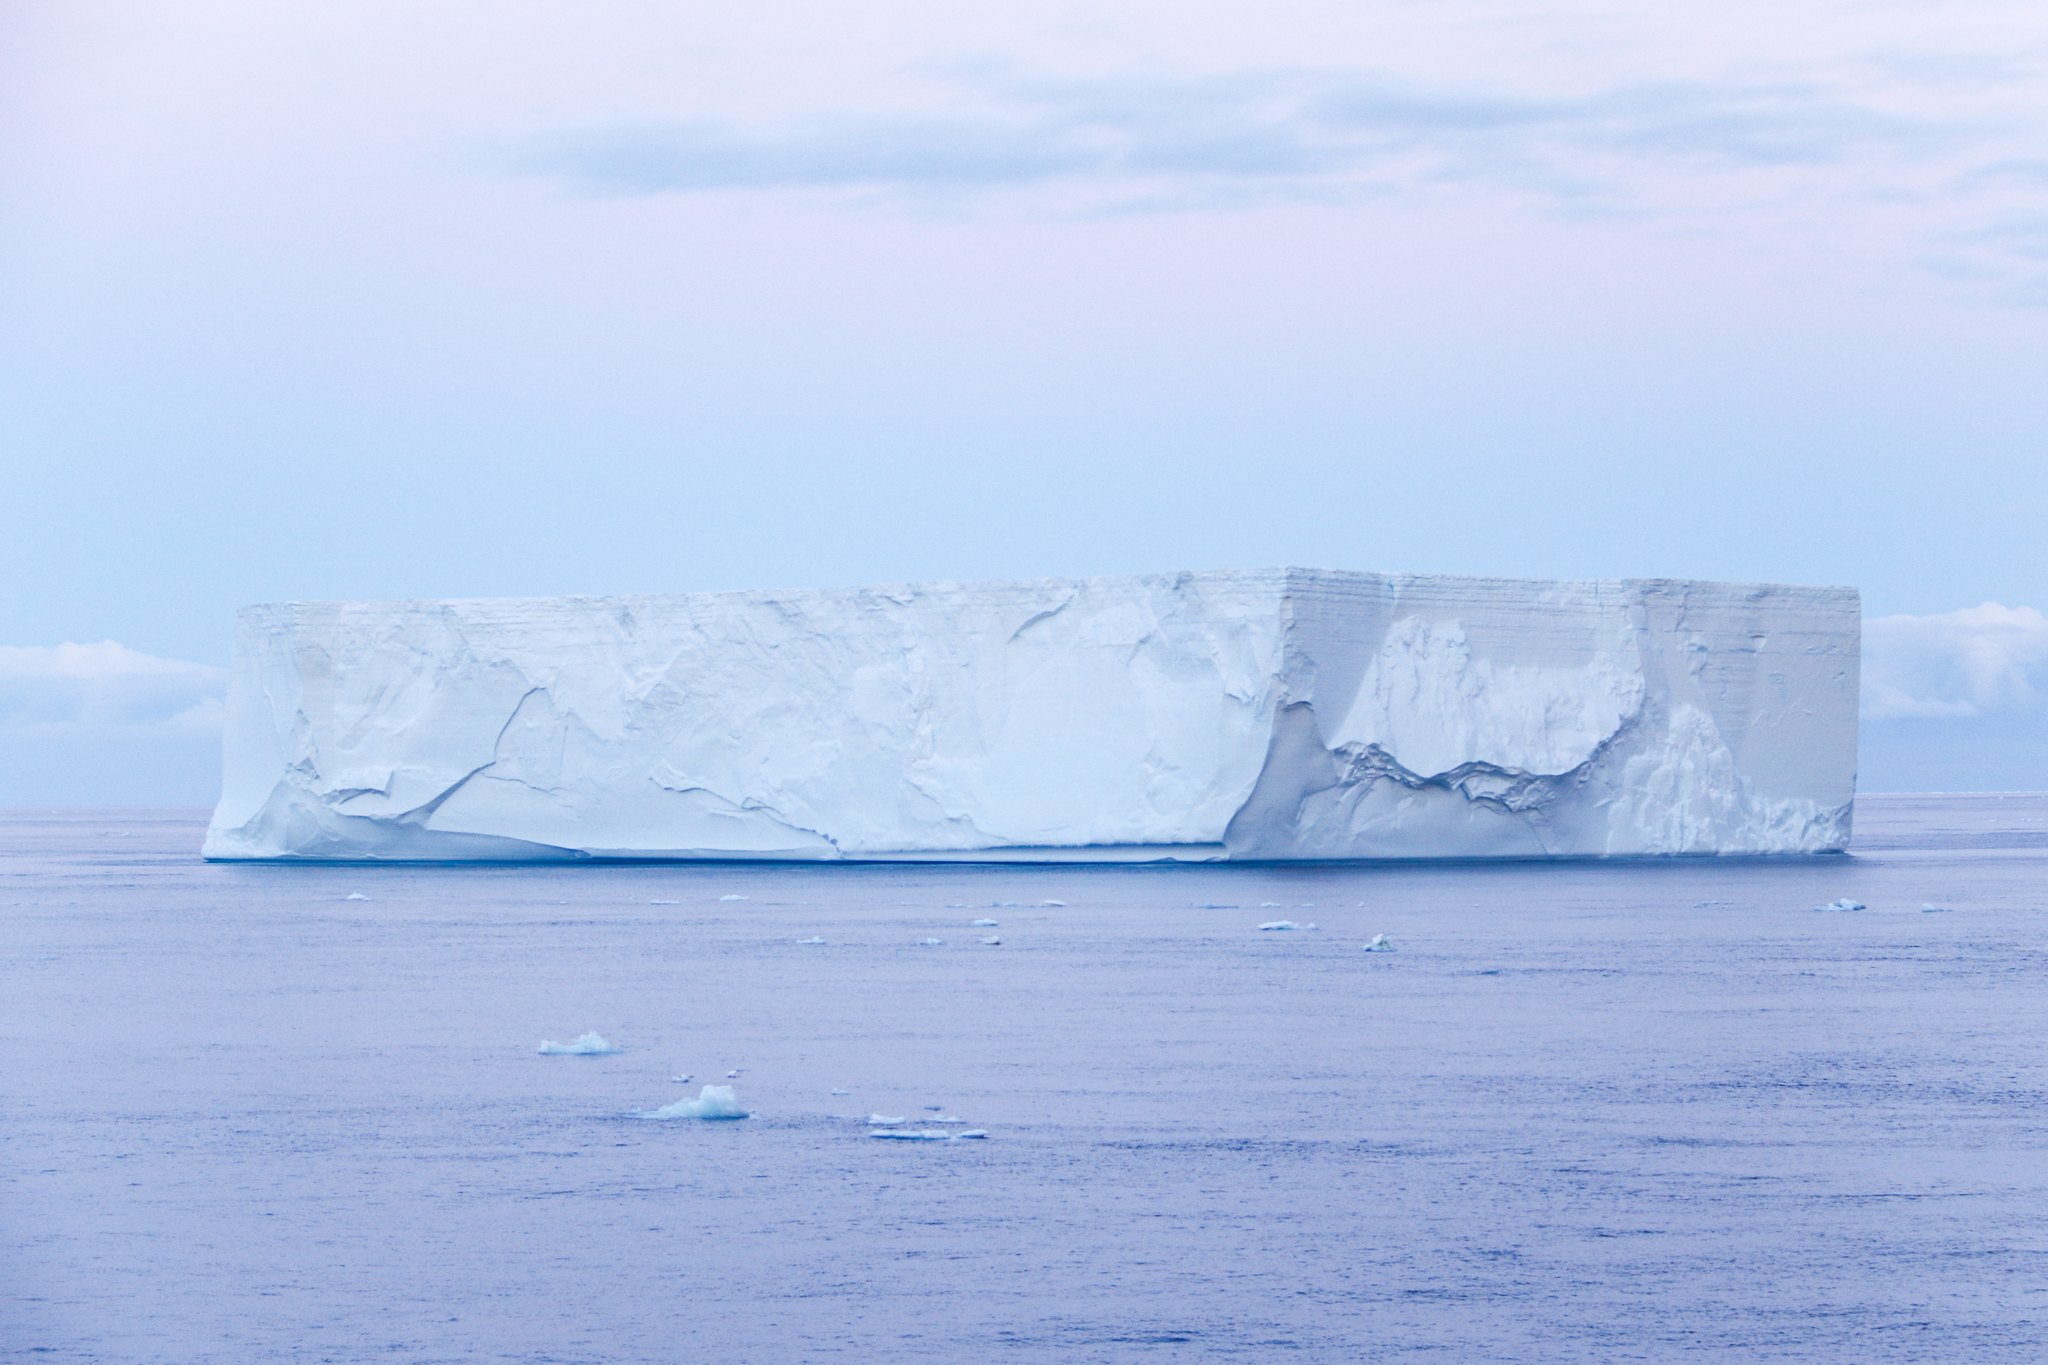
[(589, 1045), (712, 1102), (1272, 714)]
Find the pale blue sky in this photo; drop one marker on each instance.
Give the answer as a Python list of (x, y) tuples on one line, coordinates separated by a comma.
[(511, 298)]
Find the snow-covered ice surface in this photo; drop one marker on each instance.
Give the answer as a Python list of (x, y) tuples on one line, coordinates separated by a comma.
[(1582, 1116), (1250, 715)]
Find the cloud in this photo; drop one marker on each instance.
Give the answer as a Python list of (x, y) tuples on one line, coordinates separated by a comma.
[(1288, 131), (1957, 665), (107, 685), (102, 724), (1940, 168)]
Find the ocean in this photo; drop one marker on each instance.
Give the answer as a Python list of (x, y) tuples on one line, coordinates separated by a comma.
[(1587, 1112)]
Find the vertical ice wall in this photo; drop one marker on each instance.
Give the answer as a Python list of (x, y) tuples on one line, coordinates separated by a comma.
[(1278, 713)]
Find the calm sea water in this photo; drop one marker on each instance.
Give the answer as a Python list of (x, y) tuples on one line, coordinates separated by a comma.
[(1587, 1112)]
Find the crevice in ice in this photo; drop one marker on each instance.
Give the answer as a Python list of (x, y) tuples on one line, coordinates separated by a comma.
[(1039, 618), (1511, 790)]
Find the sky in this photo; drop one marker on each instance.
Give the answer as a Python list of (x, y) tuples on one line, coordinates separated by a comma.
[(467, 299)]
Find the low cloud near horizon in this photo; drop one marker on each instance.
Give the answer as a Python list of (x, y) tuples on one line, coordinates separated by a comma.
[(105, 725), (1956, 701)]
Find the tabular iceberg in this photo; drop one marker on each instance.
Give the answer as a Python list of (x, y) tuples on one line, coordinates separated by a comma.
[(1258, 714)]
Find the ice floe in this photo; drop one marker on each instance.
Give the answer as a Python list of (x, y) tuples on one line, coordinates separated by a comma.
[(355, 896), (1843, 904), (713, 1102), (810, 940), (983, 924), (1932, 909), (664, 902), (931, 943), (1284, 925), (1062, 904), (927, 1134), (879, 1119), (589, 1045), (732, 898), (990, 942), (1380, 943)]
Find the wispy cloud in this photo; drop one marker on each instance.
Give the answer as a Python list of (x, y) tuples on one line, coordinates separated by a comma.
[(1945, 162), (1957, 664), (1283, 128)]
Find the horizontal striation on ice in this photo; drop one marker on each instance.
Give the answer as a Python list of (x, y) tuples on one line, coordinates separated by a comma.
[(1258, 714)]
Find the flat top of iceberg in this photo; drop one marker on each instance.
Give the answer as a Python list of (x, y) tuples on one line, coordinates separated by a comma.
[(1269, 576)]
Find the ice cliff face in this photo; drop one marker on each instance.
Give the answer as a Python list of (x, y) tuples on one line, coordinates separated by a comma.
[(1276, 713)]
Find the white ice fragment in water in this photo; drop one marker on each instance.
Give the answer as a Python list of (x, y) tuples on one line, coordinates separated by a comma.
[(878, 1119), (732, 898), (664, 902), (1381, 944), (1271, 905), (589, 1045), (1843, 904), (931, 943), (680, 1080), (837, 1091), (1007, 905), (810, 940), (712, 1102), (983, 924), (927, 1134), (733, 1074), (1061, 904), (355, 896), (1932, 909), (1284, 924), (990, 942)]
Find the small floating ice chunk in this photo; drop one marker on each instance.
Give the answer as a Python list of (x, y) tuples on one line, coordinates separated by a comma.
[(1005, 905), (880, 1120), (931, 943), (983, 924), (1284, 925), (990, 942), (1271, 905), (1843, 904), (712, 1102), (589, 1045), (1210, 905), (1381, 944), (664, 902), (1703, 905), (810, 940), (927, 1134), (1932, 909), (355, 896), (733, 1074), (837, 1091), (680, 1080), (1061, 904), (732, 898)]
